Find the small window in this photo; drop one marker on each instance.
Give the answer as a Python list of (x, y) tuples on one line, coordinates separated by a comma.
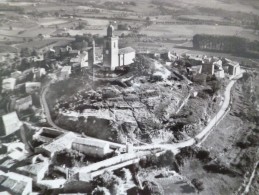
[(114, 44)]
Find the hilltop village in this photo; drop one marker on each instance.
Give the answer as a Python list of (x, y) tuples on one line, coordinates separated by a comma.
[(92, 116)]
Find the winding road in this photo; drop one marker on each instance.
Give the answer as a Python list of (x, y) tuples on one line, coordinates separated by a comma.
[(206, 131), (200, 137)]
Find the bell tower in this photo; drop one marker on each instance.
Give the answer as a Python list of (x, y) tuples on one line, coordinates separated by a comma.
[(111, 49)]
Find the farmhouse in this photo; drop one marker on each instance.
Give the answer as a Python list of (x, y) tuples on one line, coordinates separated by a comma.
[(11, 123), (8, 84)]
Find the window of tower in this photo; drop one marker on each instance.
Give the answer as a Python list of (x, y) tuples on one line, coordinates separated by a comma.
[(114, 45)]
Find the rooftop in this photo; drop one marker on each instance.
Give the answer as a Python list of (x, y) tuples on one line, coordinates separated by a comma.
[(66, 69), (11, 122), (30, 84), (14, 182), (126, 50), (33, 168), (88, 142), (60, 143), (24, 100)]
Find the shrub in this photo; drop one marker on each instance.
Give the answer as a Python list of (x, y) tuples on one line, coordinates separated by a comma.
[(152, 188), (100, 191), (198, 184)]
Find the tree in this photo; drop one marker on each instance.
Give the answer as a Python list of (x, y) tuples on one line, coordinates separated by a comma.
[(215, 86), (126, 175), (25, 52), (198, 184), (152, 188), (110, 181), (100, 191), (34, 53), (25, 64)]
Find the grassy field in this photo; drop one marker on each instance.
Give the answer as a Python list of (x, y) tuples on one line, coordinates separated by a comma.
[(189, 30)]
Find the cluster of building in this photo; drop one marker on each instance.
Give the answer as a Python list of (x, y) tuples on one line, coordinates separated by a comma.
[(25, 170), (111, 56), (196, 65), (20, 88)]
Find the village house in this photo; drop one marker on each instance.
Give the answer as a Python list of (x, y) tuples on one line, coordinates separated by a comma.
[(36, 171), (126, 56), (8, 84), (233, 68), (16, 74), (219, 71), (39, 73), (60, 143), (65, 72), (31, 87), (11, 123), (23, 103), (15, 183), (208, 68)]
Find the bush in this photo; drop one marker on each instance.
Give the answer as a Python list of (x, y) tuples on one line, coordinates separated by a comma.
[(151, 188), (110, 181), (100, 191), (203, 155), (198, 184)]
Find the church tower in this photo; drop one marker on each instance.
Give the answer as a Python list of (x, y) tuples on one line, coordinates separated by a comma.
[(111, 49), (91, 55)]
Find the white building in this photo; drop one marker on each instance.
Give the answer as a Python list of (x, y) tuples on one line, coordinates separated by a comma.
[(233, 68), (11, 123), (220, 73), (126, 56), (31, 87), (39, 73), (8, 84), (65, 72), (91, 147)]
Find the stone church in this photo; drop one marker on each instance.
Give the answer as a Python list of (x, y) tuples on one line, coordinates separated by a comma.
[(112, 55)]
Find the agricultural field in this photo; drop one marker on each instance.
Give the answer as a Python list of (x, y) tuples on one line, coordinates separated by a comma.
[(187, 31)]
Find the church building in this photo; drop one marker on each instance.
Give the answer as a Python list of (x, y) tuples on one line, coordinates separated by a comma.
[(112, 55)]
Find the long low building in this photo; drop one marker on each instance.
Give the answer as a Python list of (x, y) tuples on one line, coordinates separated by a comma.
[(91, 147), (70, 140)]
